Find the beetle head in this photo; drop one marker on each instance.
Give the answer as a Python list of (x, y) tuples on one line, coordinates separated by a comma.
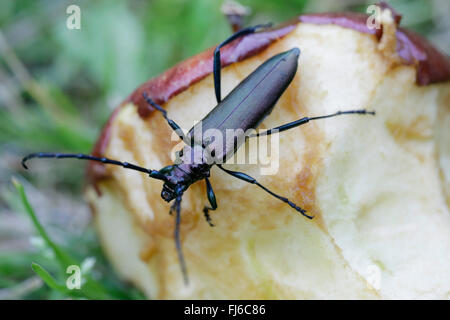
[(174, 184), (168, 192)]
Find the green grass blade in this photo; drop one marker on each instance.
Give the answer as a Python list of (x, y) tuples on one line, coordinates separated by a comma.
[(48, 279), (63, 258), (91, 289)]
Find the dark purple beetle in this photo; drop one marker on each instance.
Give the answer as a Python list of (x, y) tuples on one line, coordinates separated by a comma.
[(242, 109)]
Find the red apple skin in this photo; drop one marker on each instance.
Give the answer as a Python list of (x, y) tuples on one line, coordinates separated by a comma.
[(431, 67)]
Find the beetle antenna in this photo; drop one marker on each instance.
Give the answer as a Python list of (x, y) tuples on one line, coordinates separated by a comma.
[(177, 206), (152, 173)]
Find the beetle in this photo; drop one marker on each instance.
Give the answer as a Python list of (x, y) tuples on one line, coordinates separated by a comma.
[(245, 107)]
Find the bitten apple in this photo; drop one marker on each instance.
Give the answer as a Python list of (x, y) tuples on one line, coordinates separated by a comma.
[(379, 187)]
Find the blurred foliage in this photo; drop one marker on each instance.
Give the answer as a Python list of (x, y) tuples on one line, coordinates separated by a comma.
[(90, 288), (58, 86)]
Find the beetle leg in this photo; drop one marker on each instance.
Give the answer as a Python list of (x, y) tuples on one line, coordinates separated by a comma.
[(171, 123), (217, 62), (301, 121), (152, 173), (212, 200), (247, 178)]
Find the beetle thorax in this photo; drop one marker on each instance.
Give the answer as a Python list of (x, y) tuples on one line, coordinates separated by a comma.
[(191, 169)]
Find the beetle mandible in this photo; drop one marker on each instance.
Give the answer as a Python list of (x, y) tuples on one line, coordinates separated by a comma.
[(243, 108)]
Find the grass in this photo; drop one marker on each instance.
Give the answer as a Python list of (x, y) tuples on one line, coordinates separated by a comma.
[(61, 259)]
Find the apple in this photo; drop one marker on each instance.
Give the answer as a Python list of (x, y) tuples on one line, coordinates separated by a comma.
[(379, 187)]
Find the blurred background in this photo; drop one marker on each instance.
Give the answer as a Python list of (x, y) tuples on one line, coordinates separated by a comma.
[(58, 87)]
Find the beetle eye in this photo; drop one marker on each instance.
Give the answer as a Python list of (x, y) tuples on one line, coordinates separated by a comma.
[(166, 195)]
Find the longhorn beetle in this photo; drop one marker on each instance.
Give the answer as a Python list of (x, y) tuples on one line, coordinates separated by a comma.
[(243, 108)]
